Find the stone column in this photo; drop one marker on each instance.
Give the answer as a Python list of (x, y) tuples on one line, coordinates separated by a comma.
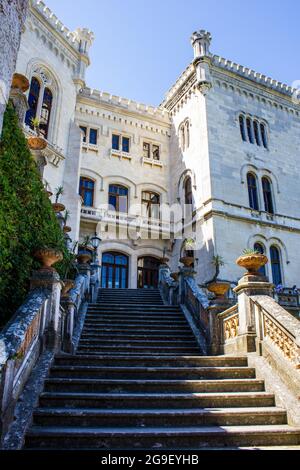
[(249, 285), (49, 279), (12, 18)]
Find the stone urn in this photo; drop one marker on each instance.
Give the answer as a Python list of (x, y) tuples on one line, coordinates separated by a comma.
[(219, 288), (57, 207), (48, 257), (164, 261), (20, 82), (36, 143), (252, 263), (84, 258), (175, 276), (187, 261), (68, 284), (67, 229)]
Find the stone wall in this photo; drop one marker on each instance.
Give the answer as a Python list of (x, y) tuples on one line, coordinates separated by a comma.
[(12, 17)]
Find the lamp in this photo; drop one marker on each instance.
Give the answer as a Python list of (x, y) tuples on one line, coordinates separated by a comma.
[(95, 241)]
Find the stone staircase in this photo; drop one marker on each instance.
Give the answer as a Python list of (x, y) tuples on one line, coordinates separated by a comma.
[(138, 381)]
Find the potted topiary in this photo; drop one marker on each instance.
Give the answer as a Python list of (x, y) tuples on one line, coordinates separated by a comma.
[(188, 246), (252, 260), (58, 207), (217, 286), (20, 82), (36, 142), (66, 228)]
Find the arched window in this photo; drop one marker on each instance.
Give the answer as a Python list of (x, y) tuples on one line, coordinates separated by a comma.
[(264, 137), (260, 249), (243, 128), (33, 100), (118, 198), (188, 192), (256, 133), (249, 130), (252, 190), (187, 134), (151, 205), (86, 191), (276, 265), (268, 197), (182, 137), (46, 112)]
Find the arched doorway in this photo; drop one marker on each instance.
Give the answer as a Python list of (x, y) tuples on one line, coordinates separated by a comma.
[(114, 271), (148, 268)]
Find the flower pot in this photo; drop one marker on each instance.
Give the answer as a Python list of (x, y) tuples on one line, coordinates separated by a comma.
[(187, 261), (57, 207), (20, 82), (175, 276), (84, 258), (68, 285), (219, 288), (48, 257), (86, 250), (37, 143), (67, 229), (164, 260), (252, 263)]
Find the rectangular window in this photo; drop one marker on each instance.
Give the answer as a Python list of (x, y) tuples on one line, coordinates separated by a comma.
[(125, 144), (155, 152), (93, 136), (116, 142), (84, 130), (146, 150)]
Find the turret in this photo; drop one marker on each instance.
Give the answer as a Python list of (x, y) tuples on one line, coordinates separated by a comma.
[(85, 39), (201, 41)]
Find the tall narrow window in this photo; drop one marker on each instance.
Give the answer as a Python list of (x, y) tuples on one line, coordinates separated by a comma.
[(249, 130), (268, 198), (182, 137), (125, 144), (93, 136), (155, 152), (116, 142), (188, 192), (260, 249), (276, 265), (252, 190), (118, 198), (243, 128), (264, 137), (33, 101), (187, 134), (151, 205), (146, 150), (86, 191), (256, 133), (84, 133), (46, 112)]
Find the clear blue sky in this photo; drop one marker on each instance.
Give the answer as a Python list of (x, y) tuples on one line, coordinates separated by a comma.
[(142, 46)]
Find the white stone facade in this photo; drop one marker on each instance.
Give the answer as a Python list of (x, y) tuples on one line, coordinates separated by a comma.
[(197, 131)]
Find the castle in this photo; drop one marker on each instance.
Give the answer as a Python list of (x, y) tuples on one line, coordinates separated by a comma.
[(223, 145)]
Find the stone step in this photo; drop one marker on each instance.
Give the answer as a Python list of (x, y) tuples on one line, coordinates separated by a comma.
[(156, 400), (154, 361), (143, 321), (138, 328), (67, 384), (158, 438), (60, 417), (120, 342), (162, 373), (130, 316), (128, 337), (142, 349)]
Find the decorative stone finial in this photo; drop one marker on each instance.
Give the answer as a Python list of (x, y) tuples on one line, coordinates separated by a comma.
[(85, 38), (201, 42)]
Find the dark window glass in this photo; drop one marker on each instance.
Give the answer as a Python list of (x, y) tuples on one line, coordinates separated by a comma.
[(252, 190), (46, 112), (264, 135), (33, 100), (188, 192), (155, 152), (256, 133), (118, 198), (151, 205), (260, 249), (114, 271), (115, 142), (243, 128), (249, 130), (86, 191), (148, 273), (267, 191), (125, 144), (84, 129), (93, 136), (276, 265), (146, 150)]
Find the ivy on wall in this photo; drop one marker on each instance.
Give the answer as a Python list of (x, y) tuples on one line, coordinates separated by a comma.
[(27, 220)]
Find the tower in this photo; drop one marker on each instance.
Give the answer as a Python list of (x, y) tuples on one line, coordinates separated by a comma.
[(201, 41)]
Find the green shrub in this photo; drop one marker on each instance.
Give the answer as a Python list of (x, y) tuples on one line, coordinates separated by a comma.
[(27, 220)]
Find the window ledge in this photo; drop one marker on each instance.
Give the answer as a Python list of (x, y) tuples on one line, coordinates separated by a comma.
[(92, 147), (121, 155), (152, 162)]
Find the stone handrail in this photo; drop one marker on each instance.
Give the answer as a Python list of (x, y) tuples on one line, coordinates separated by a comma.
[(276, 326), (229, 324)]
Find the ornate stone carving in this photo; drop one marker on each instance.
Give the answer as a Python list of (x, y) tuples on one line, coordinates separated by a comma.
[(281, 339), (231, 327)]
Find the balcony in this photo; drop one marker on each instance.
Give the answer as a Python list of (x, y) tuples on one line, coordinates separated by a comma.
[(120, 154), (53, 153), (152, 162), (86, 147)]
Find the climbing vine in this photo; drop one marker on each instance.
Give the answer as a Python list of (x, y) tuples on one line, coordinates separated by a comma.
[(27, 220)]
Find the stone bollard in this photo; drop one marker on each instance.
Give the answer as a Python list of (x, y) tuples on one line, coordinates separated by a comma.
[(249, 285)]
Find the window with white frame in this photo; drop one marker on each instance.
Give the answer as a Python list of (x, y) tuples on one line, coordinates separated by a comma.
[(151, 151), (184, 135), (253, 130), (89, 135), (121, 143)]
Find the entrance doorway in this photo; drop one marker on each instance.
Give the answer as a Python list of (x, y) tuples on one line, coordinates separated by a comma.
[(148, 268), (114, 271)]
